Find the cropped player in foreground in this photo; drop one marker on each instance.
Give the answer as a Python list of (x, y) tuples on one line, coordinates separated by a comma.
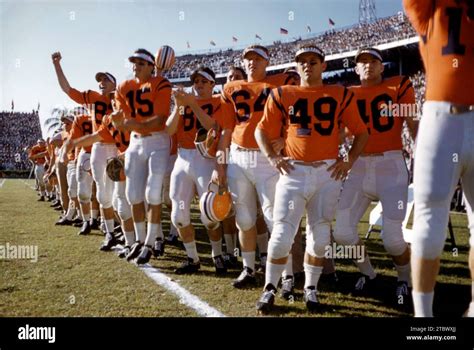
[(308, 117), (445, 147), (380, 173)]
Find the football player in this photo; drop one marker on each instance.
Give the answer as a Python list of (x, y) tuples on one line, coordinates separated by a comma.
[(380, 173), (37, 154), (98, 104), (192, 172), (310, 171), (145, 96), (444, 151)]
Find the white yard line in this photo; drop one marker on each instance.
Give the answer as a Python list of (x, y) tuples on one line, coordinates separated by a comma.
[(2, 183), (185, 297)]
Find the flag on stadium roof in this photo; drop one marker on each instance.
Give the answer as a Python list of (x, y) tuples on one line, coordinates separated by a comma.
[(212, 43), (13, 105), (283, 31), (258, 37), (188, 44), (234, 39), (331, 22), (308, 28)]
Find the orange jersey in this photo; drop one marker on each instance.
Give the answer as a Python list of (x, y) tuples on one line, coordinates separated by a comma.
[(36, 149), (374, 104), (110, 134), (97, 104), (288, 78), (243, 104), (145, 99), (81, 126), (308, 118), (189, 124), (446, 46)]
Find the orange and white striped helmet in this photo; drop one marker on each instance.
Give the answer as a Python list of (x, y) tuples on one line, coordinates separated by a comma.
[(164, 58)]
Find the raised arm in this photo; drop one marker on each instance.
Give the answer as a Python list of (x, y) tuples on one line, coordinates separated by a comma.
[(63, 83)]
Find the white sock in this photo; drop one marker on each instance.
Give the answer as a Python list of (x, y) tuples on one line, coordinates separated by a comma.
[(366, 268), (423, 304), (248, 259), (191, 250), (288, 271), (229, 243), (404, 273), (129, 237), (140, 231), (94, 213), (110, 225), (262, 243), (152, 233), (273, 273), (216, 248), (159, 234), (70, 213), (86, 217), (312, 274)]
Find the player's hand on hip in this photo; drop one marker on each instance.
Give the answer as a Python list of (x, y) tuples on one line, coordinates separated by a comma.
[(340, 169), (282, 164), (117, 119)]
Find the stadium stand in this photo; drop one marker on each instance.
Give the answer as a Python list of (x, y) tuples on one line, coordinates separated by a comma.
[(18, 130)]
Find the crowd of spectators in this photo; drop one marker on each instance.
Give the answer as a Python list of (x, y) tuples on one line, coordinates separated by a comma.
[(384, 30), (18, 130)]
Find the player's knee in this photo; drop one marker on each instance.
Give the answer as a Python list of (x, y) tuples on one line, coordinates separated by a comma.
[(153, 197), (318, 240), (104, 199), (344, 233), (392, 236), (124, 209), (244, 218), (180, 217), (279, 245)]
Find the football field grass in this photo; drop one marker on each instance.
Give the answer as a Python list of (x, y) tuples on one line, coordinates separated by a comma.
[(73, 278)]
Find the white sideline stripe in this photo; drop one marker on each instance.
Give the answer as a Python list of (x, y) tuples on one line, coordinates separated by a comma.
[(185, 297), (2, 183), (30, 186)]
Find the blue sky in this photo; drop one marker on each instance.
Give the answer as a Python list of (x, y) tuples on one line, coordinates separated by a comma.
[(99, 35)]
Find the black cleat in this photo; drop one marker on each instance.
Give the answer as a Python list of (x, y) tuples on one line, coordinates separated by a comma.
[(145, 255), (108, 243), (124, 252), (364, 285), (263, 263), (231, 261), (287, 288), (41, 199), (219, 264), (267, 299), (159, 248), (94, 223), (85, 229), (172, 240), (310, 298), (63, 222), (134, 250), (189, 266), (78, 224), (245, 279)]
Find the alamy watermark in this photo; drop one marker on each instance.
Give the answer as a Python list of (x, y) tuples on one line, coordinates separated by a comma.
[(21, 252), (353, 252)]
